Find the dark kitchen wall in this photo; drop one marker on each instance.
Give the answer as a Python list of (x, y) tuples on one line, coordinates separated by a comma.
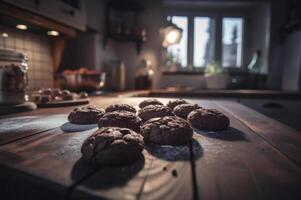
[(266, 22), (39, 51), (88, 49), (279, 18)]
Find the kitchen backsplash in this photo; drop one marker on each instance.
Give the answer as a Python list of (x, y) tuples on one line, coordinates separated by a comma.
[(38, 49)]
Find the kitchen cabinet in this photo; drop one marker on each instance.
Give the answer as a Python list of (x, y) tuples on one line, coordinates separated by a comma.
[(70, 13), (291, 79)]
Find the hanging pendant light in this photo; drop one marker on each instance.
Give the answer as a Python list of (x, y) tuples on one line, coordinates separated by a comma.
[(171, 34)]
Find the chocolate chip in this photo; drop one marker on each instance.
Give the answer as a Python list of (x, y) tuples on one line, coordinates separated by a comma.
[(174, 173)]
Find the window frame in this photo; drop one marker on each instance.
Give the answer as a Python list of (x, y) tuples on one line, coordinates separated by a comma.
[(217, 16)]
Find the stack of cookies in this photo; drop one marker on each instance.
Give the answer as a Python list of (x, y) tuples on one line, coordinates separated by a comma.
[(122, 133)]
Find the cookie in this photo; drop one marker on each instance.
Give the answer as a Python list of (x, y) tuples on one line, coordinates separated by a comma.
[(183, 110), (112, 146), (86, 115), (45, 91), (55, 92), (122, 119), (148, 102), (44, 98), (120, 107), (153, 111), (169, 130), (66, 95), (208, 119), (174, 103)]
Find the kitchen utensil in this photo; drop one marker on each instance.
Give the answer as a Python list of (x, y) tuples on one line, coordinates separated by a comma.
[(118, 76), (83, 82)]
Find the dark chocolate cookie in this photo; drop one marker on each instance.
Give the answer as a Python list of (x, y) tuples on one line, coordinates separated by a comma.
[(169, 130), (86, 115), (67, 95), (112, 146), (174, 103), (120, 107), (153, 111), (148, 102), (208, 119), (183, 110), (122, 119)]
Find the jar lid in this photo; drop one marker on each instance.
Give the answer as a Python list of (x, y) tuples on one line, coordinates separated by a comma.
[(12, 55)]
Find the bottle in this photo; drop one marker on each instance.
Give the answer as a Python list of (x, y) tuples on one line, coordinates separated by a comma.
[(254, 66), (144, 75), (118, 76)]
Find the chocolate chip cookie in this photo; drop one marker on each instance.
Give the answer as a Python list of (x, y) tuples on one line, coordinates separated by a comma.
[(183, 110), (208, 119), (169, 130), (120, 107), (148, 102), (153, 111), (112, 146), (122, 119), (86, 115), (67, 95), (174, 103)]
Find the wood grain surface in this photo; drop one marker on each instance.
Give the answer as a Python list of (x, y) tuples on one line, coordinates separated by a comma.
[(242, 165), (257, 158)]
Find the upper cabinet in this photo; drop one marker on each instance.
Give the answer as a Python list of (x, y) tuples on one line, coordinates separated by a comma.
[(68, 12)]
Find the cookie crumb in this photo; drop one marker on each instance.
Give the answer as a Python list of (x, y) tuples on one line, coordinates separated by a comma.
[(174, 173)]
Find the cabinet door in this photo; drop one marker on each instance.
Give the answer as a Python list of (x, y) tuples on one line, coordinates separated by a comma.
[(56, 10), (31, 5), (65, 13)]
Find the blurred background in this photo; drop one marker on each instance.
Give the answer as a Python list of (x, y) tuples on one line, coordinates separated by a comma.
[(103, 46)]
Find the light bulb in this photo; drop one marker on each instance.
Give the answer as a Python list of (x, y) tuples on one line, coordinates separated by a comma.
[(21, 26), (5, 35), (173, 36), (53, 33)]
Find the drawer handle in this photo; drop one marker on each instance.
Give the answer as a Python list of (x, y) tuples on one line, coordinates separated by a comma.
[(272, 105)]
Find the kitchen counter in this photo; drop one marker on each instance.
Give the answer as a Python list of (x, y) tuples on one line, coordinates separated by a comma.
[(257, 158), (195, 93), (283, 106)]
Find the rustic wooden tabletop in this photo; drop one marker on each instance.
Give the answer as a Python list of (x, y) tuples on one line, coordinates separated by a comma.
[(257, 158)]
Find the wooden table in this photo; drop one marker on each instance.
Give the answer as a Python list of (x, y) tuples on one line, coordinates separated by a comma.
[(257, 158)]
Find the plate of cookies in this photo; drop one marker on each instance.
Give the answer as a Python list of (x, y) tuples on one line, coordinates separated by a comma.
[(55, 97), (123, 131)]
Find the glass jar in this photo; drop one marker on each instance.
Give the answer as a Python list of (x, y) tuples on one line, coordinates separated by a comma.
[(144, 76), (13, 77)]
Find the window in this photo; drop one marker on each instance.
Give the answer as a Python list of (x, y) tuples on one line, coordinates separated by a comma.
[(232, 42), (179, 51), (203, 45), (203, 42)]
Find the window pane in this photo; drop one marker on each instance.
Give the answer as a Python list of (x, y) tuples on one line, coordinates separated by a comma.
[(232, 42), (179, 51), (203, 47)]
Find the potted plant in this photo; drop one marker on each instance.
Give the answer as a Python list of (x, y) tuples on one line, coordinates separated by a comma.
[(172, 62), (216, 76)]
